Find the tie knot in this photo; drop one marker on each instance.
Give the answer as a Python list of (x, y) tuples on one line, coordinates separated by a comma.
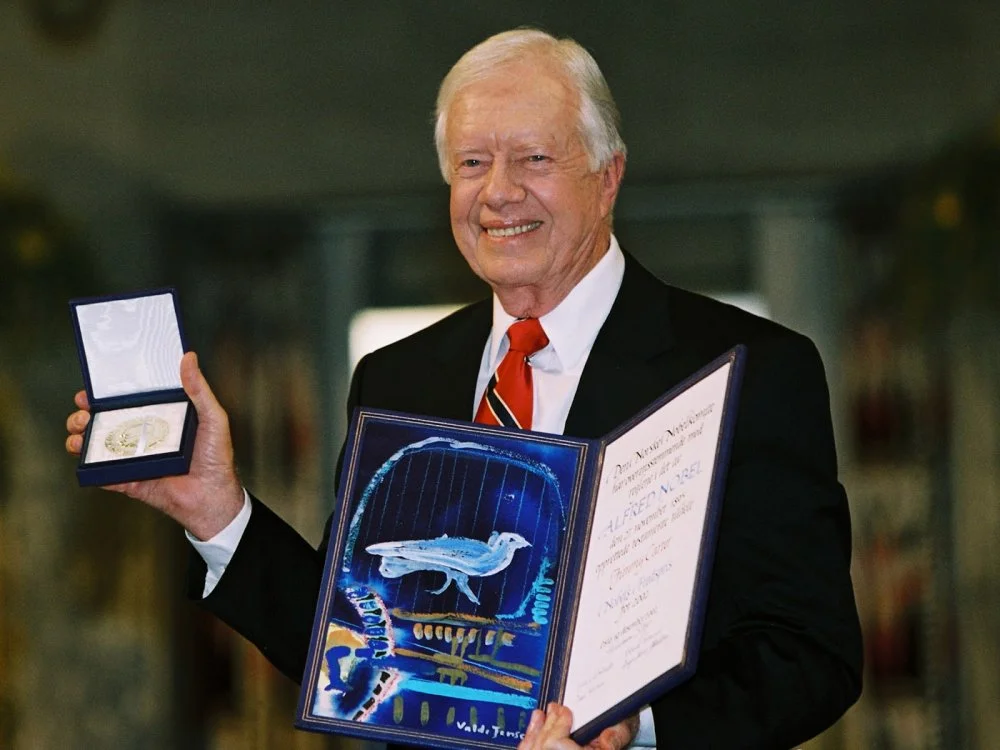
[(526, 336)]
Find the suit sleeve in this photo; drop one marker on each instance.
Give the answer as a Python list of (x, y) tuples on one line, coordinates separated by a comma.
[(781, 656), (269, 590)]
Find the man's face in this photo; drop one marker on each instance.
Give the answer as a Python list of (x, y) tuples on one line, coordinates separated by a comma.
[(527, 213)]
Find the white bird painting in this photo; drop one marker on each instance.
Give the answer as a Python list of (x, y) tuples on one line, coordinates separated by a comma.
[(457, 557)]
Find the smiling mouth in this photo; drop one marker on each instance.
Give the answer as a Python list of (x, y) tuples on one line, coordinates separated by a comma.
[(512, 231)]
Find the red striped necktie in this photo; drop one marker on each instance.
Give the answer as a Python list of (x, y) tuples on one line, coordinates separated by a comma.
[(509, 395)]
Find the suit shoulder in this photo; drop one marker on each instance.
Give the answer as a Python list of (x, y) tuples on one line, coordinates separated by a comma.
[(455, 324), (432, 371), (721, 320)]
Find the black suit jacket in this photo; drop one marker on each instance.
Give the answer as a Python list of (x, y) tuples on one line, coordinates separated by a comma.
[(781, 650)]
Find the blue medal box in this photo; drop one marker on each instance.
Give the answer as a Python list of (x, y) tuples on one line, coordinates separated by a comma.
[(142, 424)]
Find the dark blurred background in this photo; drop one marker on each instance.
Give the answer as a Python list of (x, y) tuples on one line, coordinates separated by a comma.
[(835, 165)]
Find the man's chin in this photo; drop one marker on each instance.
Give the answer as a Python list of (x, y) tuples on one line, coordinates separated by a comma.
[(509, 276)]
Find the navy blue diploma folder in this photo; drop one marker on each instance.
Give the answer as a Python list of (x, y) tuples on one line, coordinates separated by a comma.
[(142, 424), (475, 573)]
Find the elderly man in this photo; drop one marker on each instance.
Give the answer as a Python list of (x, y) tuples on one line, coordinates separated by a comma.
[(528, 141)]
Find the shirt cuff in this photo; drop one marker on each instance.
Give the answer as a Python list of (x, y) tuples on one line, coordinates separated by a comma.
[(219, 550), (646, 737)]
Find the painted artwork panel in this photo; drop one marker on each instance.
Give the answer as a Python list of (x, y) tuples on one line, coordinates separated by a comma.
[(447, 553)]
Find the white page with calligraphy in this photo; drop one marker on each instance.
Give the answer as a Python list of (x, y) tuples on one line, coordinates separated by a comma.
[(644, 552)]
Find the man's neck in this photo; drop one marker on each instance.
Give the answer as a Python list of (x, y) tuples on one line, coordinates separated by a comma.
[(533, 301)]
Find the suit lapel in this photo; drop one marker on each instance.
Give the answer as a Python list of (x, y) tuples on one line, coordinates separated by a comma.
[(457, 357), (632, 361)]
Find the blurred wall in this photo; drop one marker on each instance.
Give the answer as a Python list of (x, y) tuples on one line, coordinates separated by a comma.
[(237, 100)]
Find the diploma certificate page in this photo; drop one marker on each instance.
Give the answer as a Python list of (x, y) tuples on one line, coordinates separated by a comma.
[(644, 550)]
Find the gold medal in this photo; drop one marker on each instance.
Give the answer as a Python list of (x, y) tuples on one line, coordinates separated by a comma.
[(135, 436)]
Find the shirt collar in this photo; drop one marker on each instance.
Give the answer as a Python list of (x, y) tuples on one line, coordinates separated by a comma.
[(574, 323)]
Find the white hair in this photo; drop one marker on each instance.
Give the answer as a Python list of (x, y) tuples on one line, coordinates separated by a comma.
[(599, 118)]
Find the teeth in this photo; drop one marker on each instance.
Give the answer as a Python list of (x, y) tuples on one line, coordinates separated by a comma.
[(511, 231)]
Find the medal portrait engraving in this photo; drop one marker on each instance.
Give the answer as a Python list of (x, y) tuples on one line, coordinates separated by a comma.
[(136, 431), (134, 437)]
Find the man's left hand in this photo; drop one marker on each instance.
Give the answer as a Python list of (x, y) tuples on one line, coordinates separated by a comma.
[(550, 731)]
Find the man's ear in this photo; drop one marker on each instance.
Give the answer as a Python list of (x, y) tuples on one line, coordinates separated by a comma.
[(611, 181)]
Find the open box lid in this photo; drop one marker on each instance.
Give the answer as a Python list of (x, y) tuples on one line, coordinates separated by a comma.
[(130, 345)]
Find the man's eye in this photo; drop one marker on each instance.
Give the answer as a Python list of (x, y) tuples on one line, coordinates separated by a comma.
[(537, 157), (470, 163)]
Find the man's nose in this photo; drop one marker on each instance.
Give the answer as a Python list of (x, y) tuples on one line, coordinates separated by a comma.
[(502, 185)]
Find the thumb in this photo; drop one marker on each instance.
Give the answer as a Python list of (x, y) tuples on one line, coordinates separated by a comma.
[(213, 423), (197, 388)]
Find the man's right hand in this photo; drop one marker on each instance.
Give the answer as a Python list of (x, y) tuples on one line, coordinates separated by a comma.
[(550, 730), (206, 499)]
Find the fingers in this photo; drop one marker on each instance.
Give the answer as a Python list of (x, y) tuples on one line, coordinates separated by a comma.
[(617, 736), (77, 422), (549, 731), (80, 399), (534, 729), (76, 425), (610, 739), (558, 720), (74, 444)]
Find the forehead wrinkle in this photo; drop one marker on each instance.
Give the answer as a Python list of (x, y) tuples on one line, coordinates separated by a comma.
[(499, 97), (515, 140), (511, 134)]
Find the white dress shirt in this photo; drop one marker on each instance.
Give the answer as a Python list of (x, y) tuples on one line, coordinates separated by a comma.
[(571, 328)]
